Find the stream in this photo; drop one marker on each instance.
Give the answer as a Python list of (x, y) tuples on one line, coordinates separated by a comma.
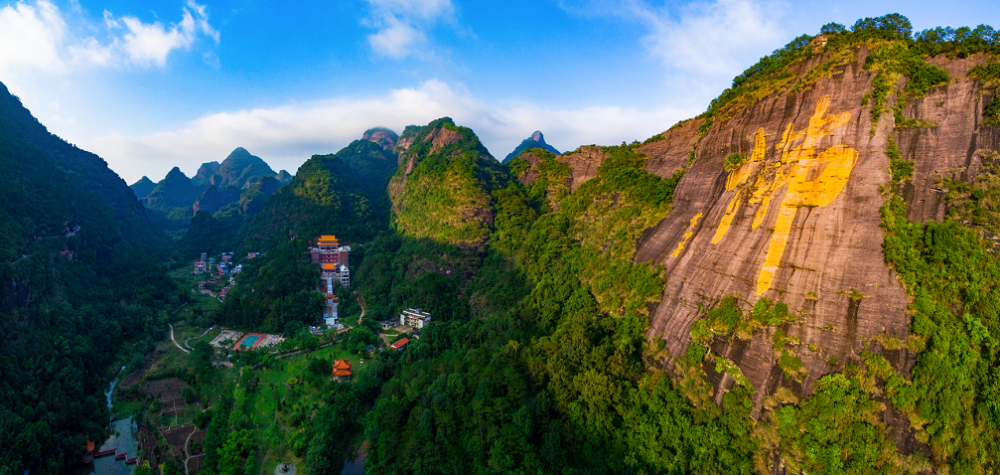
[(122, 439)]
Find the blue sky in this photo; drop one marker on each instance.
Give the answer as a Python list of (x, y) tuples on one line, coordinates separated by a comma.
[(156, 84)]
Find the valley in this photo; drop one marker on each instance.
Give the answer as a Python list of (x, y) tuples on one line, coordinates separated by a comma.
[(802, 279)]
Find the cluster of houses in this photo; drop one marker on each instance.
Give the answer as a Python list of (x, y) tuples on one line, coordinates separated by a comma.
[(218, 271), (333, 260), (224, 266)]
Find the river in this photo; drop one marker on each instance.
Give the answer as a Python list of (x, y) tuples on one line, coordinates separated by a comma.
[(123, 440)]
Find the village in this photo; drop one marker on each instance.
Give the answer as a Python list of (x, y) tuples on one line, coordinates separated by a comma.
[(164, 432)]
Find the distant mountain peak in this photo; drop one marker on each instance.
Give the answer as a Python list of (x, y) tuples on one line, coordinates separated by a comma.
[(175, 173), (239, 152), (537, 140), (382, 136), (143, 187), (205, 172)]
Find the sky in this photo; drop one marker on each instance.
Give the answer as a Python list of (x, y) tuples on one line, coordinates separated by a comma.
[(163, 83)]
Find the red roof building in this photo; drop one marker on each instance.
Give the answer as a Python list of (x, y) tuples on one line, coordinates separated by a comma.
[(398, 345)]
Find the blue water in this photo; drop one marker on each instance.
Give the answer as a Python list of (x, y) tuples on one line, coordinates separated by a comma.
[(124, 442), (249, 341), (356, 466)]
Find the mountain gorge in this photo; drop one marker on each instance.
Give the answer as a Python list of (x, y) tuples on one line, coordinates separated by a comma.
[(802, 279)]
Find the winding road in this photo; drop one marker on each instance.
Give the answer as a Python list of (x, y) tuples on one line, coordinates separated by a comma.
[(175, 341), (197, 337)]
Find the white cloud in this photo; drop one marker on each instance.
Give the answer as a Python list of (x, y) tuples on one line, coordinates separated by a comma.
[(31, 36), (402, 25), (286, 136), (709, 37), (36, 38), (151, 43)]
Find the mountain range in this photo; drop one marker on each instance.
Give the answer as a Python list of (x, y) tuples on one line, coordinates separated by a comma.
[(802, 279), (224, 188)]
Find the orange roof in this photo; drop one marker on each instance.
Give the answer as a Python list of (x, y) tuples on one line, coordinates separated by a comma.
[(399, 344), (327, 240), (331, 296), (329, 266), (342, 367)]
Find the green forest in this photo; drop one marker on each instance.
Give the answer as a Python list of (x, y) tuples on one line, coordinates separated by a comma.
[(538, 359)]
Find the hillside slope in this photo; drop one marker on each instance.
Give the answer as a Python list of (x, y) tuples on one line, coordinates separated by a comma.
[(74, 241)]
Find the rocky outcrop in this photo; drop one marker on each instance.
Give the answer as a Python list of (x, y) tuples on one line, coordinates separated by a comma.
[(673, 150), (585, 162), (381, 136)]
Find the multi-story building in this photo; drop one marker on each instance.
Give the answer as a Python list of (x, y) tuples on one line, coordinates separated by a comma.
[(201, 265), (333, 258), (414, 318), (329, 251)]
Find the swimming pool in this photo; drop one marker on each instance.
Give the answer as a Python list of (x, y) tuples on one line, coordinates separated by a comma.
[(249, 341)]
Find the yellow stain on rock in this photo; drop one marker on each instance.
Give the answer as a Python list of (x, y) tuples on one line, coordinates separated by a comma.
[(814, 180), (687, 235)]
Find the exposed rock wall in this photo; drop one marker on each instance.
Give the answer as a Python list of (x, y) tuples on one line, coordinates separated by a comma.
[(799, 222), (953, 148)]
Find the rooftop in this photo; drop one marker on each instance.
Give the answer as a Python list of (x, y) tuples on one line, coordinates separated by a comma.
[(399, 344)]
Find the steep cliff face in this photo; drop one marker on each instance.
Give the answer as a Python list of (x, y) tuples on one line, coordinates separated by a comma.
[(780, 200)]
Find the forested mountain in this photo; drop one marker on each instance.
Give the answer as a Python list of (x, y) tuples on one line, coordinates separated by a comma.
[(205, 173), (143, 187), (224, 190), (174, 195), (441, 190), (80, 292), (342, 193), (537, 140), (801, 280)]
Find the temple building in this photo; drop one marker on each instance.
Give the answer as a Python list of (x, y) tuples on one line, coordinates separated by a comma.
[(333, 258), (342, 370)]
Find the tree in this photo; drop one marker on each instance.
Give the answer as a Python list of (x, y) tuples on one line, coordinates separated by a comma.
[(832, 29)]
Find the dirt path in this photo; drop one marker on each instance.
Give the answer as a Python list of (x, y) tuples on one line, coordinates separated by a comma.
[(187, 451), (175, 341), (197, 337), (361, 302)]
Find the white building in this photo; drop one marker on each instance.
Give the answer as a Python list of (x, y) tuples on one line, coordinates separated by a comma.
[(415, 318)]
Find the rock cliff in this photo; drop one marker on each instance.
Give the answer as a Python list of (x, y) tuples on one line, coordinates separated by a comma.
[(780, 199)]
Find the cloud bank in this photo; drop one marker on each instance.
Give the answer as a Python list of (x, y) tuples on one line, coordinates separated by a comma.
[(44, 42), (709, 37), (286, 136)]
